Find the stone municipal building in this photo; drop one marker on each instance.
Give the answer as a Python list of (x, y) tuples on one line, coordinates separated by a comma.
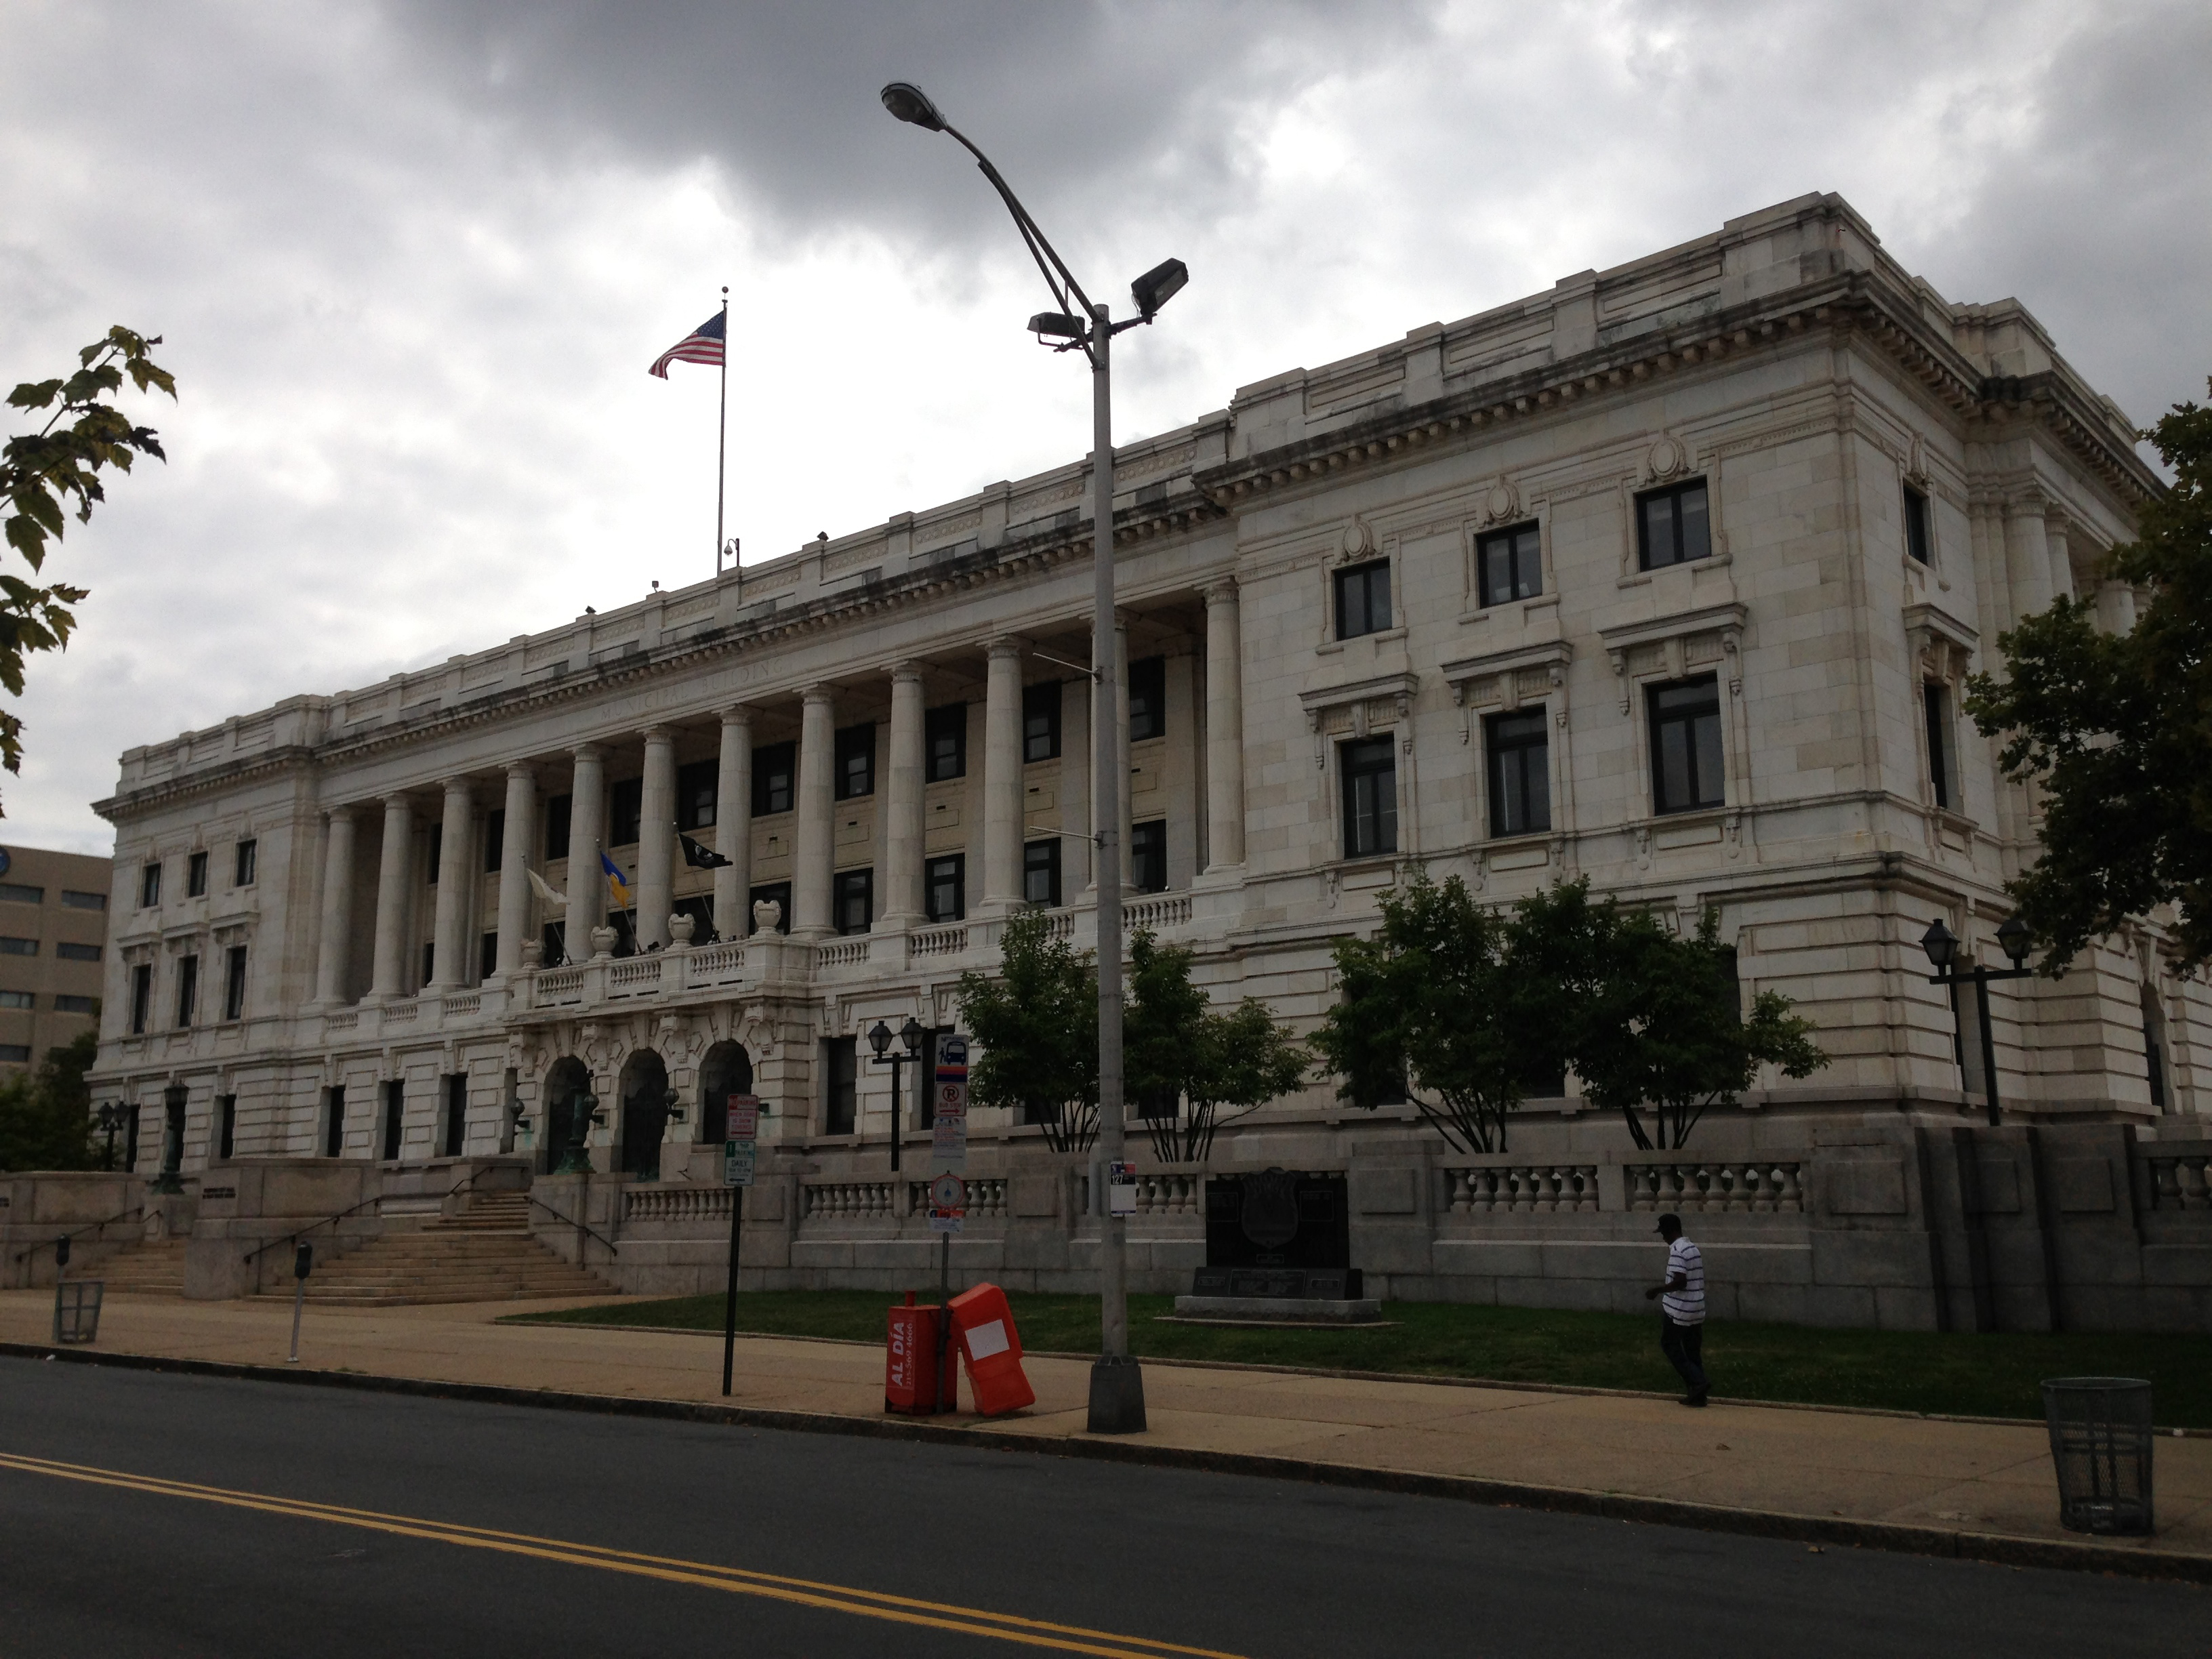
[(1669, 577)]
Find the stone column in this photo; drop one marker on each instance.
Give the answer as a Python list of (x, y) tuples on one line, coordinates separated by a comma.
[(656, 838), (902, 840), (812, 858), (1224, 729), (1002, 778), (2116, 607), (2062, 560), (2027, 556), (390, 978), (335, 943), (449, 956), (515, 908), (733, 825), (587, 886)]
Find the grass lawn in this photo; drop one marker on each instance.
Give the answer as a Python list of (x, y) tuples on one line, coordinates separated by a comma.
[(1900, 1371)]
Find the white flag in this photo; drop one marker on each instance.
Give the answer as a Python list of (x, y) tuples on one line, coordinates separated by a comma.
[(544, 889)]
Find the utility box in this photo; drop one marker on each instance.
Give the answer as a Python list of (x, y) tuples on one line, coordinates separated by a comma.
[(993, 1349)]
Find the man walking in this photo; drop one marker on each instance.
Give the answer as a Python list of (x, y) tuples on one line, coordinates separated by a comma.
[(1682, 1309)]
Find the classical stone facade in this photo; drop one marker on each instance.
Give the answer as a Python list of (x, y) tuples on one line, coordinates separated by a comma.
[(1669, 577)]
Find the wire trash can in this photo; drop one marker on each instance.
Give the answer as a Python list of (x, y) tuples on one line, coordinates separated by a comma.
[(2100, 1445), (76, 1310)]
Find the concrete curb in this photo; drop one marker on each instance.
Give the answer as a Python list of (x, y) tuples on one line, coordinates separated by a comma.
[(1996, 1548)]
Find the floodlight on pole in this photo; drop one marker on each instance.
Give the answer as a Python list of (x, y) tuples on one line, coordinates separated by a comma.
[(1158, 285), (910, 103)]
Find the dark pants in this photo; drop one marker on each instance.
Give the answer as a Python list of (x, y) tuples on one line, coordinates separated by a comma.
[(1683, 1346)]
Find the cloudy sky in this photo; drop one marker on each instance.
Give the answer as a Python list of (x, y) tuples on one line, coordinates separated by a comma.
[(410, 261)]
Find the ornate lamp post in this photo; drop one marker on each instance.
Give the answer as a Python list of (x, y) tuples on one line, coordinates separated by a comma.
[(110, 1117), (879, 1039), (583, 1114), (1942, 948)]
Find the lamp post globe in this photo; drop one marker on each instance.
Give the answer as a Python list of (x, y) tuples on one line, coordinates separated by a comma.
[(880, 1038), (1940, 945), (2015, 937), (912, 1035)]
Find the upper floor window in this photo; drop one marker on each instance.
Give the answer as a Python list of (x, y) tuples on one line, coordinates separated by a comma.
[(1672, 526), (945, 736), (70, 953), (1041, 721), (775, 771), (246, 863), (188, 989), (66, 1004), (840, 1076), (856, 761), (1520, 773), (142, 997), (73, 900), (17, 1000), (1148, 856), (1041, 872), (698, 790), (494, 839), (625, 811), (1936, 707), (1148, 698), (15, 892), (1685, 745), (1363, 599), (855, 900), (1509, 564), (557, 826), (150, 886), (234, 983), (196, 876), (1917, 542), (945, 887), (435, 856), (1370, 796), (18, 947)]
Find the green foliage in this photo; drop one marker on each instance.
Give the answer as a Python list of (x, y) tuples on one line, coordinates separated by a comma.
[(45, 1118), (1036, 1022), (45, 472), (2116, 729), (1435, 1004), (1175, 1048)]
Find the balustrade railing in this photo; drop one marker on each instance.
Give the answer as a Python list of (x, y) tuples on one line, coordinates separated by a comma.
[(2181, 1180), (847, 1200), (465, 1002), (1168, 911), (635, 975), (1755, 1186), (346, 1019), (940, 941), (400, 1013), (675, 1203), (1546, 1187), (1171, 1194), (561, 985), (987, 1196), (712, 963), (843, 953)]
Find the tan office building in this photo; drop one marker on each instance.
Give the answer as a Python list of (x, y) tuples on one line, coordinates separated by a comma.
[(53, 933)]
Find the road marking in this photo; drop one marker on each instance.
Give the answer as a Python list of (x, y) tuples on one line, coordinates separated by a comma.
[(743, 1581)]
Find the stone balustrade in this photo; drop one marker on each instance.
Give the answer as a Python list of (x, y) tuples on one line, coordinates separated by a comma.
[(1483, 1189), (845, 1200), (2180, 1179), (675, 1204), (1759, 1186)]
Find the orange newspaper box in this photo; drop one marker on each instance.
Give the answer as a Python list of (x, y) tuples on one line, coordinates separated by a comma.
[(985, 1326), (910, 1360)]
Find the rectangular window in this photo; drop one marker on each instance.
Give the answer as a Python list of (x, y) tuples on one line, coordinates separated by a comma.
[(1370, 797), (457, 1113), (1520, 772), (1041, 872), (15, 892), (74, 1005), (68, 952), (945, 733), (15, 1053), (840, 1074), (226, 1125), (430, 961), (1916, 541), (18, 947), (434, 843), (557, 809), (188, 989), (142, 997), (777, 893), (1671, 525), (150, 886), (776, 770), (234, 983), (1685, 745), (1148, 698), (856, 761), (1041, 721), (1363, 599), (1509, 565), (625, 807), (698, 789), (72, 900), (1935, 704), (488, 955), (855, 900), (16, 1000), (196, 876), (945, 887), (246, 863), (495, 846), (334, 1122), (1148, 856), (395, 1119)]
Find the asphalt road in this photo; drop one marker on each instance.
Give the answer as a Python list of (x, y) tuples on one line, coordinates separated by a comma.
[(144, 1514)]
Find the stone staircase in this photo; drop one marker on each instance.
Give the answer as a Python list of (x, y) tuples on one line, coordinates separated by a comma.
[(142, 1270), (486, 1253)]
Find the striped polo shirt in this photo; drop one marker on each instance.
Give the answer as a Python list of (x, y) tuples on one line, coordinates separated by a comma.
[(1687, 1305)]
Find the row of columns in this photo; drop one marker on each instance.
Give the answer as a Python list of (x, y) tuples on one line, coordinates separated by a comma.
[(1006, 829)]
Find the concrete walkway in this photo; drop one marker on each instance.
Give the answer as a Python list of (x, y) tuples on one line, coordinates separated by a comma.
[(1960, 1477)]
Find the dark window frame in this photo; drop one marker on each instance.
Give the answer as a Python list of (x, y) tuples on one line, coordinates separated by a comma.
[(1041, 721), (944, 742), (952, 866), (774, 779), (142, 997), (1041, 858), (188, 989), (334, 1117), (845, 888), (1148, 699), (853, 763), (1358, 592), (68, 1002), (625, 811), (1683, 546), (840, 1085), (1148, 856), (487, 954), (1517, 761), (196, 875), (234, 983), (1365, 760), (245, 862), (149, 885), (1521, 566), (73, 900), (495, 846), (698, 794), (1942, 769), (226, 1127), (76, 951), (1919, 541), (1662, 720)]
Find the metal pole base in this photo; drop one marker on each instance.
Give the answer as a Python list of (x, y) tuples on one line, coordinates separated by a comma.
[(1117, 1396)]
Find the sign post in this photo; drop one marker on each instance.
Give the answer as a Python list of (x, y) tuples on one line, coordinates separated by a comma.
[(948, 1194), (738, 1165)]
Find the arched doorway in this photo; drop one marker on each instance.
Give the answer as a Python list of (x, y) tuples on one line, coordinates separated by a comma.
[(567, 1079), (727, 1070), (644, 1113)]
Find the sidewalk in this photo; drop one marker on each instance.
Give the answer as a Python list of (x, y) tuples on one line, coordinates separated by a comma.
[(1956, 1478)]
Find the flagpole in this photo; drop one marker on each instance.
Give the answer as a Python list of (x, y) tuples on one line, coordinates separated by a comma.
[(722, 434)]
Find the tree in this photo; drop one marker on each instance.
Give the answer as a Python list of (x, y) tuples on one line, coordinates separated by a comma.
[(1434, 1005), (1037, 1021), (2117, 729), (45, 1118), (1177, 1049), (1647, 1020), (43, 473)]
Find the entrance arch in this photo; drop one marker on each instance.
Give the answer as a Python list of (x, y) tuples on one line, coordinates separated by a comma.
[(644, 1091), (568, 1077), (727, 1070)]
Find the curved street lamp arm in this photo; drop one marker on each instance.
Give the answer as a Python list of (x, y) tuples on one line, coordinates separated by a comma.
[(1057, 276)]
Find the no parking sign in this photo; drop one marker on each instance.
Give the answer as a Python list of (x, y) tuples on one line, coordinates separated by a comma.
[(948, 1147)]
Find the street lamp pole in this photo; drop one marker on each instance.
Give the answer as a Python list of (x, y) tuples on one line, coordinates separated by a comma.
[(1942, 948), (879, 1039), (1117, 1388)]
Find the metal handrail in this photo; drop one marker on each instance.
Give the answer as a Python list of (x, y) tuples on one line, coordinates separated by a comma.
[(312, 1225), (90, 1227), (581, 1226)]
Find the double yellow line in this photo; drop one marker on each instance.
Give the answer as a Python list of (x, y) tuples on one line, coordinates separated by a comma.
[(802, 1592)]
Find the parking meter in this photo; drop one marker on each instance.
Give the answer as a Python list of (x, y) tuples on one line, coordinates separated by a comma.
[(303, 1260), (61, 1251)]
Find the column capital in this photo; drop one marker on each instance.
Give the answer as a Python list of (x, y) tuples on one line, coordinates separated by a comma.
[(908, 672), (522, 769), (821, 692), (1221, 590), (398, 801), (658, 734), (1006, 645), (458, 785), (737, 714), (344, 811), (585, 752)]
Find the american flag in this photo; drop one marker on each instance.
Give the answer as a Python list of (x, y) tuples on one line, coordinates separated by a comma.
[(703, 344)]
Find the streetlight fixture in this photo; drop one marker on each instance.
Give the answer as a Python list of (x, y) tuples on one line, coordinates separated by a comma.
[(1117, 1385), (109, 1118), (1942, 948), (879, 1039)]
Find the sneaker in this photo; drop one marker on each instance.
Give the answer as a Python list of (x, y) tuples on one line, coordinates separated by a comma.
[(1697, 1399)]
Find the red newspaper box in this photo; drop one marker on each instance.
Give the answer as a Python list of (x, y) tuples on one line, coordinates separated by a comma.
[(910, 1360), (985, 1326)]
